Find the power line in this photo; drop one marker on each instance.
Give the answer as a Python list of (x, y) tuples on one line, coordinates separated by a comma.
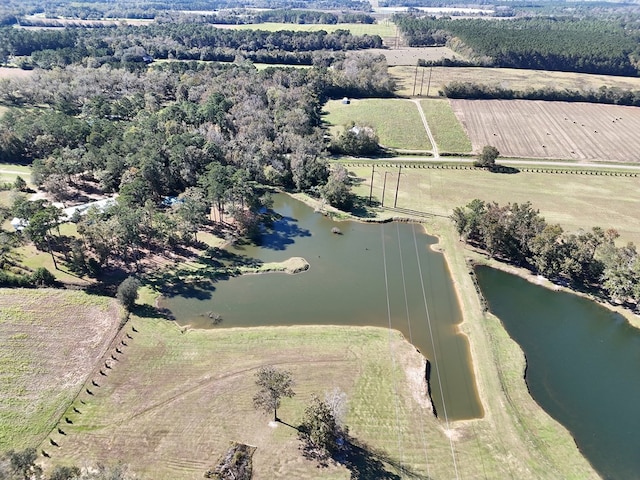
[(435, 359), (393, 360), (406, 305)]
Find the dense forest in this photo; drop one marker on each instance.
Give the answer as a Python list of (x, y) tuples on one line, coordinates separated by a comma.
[(182, 41), (16, 11), (208, 135), (518, 234), (565, 44)]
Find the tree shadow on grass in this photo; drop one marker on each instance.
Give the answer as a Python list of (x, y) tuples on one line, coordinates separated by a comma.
[(366, 463), (360, 207)]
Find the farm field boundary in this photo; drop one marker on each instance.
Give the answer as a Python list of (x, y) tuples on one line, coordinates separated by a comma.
[(553, 130)]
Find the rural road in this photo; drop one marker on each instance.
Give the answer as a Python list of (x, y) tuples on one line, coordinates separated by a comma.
[(434, 146), (13, 172)]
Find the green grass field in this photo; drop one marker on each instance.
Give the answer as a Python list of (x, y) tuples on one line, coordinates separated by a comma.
[(573, 201), (384, 29), (397, 122), (445, 127), (49, 342)]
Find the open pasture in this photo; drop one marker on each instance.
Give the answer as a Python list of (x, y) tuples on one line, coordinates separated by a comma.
[(384, 29), (11, 72), (175, 399), (50, 341), (515, 79), (397, 122), (409, 55), (573, 201), (555, 130)]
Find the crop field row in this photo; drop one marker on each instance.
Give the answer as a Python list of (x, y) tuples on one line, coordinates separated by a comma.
[(559, 130)]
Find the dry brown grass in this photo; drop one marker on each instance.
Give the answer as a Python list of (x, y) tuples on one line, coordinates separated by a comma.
[(50, 341), (515, 79), (10, 72), (556, 130), (409, 56), (573, 201), (173, 401)]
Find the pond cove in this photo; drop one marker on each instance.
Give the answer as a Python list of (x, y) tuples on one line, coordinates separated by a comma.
[(370, 274), (583, 366)]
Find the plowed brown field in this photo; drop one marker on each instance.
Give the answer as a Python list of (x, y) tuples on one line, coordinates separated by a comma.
[(556, 130)]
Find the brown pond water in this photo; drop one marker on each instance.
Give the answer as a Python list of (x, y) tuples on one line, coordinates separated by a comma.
[(347, 284)]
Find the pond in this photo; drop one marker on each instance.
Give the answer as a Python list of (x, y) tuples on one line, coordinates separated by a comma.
[(351, 276), (583, 366)]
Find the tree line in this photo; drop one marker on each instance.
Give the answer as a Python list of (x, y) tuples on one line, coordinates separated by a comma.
[(585, 45), (183, 41), (604, 94), (518, 234)]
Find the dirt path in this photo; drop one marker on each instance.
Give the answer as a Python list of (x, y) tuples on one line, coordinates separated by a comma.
[(13, 172), (436, 154)]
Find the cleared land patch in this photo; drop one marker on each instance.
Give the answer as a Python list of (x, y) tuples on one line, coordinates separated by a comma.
[(385, 29), (50, 341), (516, 79), (175, 399), (397, 122), (409, 56), (573, 201), (556, 130), (445, 127)]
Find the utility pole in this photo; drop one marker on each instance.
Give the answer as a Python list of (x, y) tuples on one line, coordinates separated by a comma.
[(421, 82), (373, 168), (384, 187), (429, 82), (415, 79), (395, 201)]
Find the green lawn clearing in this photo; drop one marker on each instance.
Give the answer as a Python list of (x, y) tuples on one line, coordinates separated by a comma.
[(445, 127), (397, 122)]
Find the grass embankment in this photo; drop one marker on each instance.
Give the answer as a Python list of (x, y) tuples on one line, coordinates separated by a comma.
[(512, 78), (397, 122), (445, 127), (573, 201), (50, 341), (515, 429)]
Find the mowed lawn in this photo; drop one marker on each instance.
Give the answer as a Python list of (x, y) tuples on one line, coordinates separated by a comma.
[(445, 127), (573, 201), (175, 399), (397, 122), (50, 341)]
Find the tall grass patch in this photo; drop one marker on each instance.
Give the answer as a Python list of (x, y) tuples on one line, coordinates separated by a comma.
[(445, 127)]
